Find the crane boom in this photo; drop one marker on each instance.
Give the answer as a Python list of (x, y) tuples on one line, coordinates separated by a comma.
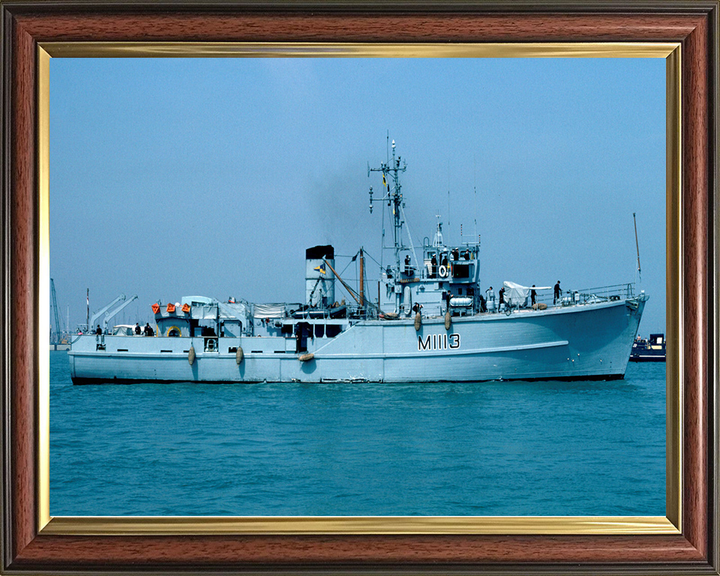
[(103, 310), (56, 317), (112, 313)]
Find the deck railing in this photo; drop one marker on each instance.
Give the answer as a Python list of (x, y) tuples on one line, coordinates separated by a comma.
[(588, 295)]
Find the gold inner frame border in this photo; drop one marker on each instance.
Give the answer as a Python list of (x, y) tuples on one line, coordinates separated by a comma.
[(276, 525)]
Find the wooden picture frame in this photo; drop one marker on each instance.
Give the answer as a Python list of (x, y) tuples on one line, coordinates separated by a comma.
[(30, 544)]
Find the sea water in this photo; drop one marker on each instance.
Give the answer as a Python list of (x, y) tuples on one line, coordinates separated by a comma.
[(445, 449)]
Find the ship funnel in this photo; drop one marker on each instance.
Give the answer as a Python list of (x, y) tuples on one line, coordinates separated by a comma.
[(319, 279)]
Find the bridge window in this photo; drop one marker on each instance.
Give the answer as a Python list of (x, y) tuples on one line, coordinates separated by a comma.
[(462, 270)]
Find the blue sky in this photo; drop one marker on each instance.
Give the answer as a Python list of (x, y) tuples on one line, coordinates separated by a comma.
[(172, 177)]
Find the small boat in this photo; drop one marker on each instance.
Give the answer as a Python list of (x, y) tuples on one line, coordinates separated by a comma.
[(648, 350)]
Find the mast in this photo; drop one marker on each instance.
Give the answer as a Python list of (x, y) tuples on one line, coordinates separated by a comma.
[(391, 183)]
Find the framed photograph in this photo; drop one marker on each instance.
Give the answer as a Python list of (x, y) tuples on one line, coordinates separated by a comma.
[(99, 100)]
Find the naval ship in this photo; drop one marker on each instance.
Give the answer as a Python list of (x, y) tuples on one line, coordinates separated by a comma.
[(430, 322)]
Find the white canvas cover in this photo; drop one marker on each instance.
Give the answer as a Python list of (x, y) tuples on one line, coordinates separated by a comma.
[(517, 294), (204, 312), (232, 310), (269, 311)]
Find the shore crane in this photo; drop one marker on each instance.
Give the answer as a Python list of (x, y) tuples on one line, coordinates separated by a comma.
[(55, 332)]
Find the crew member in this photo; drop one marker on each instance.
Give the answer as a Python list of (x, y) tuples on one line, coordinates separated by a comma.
[(483, 304), (556, 294), (138, 330), (533, 295), (490, 298)]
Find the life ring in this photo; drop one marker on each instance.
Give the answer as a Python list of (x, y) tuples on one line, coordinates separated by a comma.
[(443, 271), (171, 329)]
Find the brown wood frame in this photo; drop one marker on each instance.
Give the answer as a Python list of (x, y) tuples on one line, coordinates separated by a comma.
[(25, 24)]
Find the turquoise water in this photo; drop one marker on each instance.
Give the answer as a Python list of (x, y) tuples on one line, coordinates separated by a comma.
[(492, 448)]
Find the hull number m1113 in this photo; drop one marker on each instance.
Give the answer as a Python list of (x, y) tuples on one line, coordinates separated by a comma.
[(439, 342)]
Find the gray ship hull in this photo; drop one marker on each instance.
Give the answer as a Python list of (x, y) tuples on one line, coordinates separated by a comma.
[(578, 342)]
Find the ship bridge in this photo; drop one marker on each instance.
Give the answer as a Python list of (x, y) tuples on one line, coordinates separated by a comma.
[(446, 280)]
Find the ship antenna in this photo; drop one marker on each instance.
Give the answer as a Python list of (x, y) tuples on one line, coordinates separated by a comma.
[(448, 209), (475, 215), (637, 247), (475, 192), (448, 195)]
